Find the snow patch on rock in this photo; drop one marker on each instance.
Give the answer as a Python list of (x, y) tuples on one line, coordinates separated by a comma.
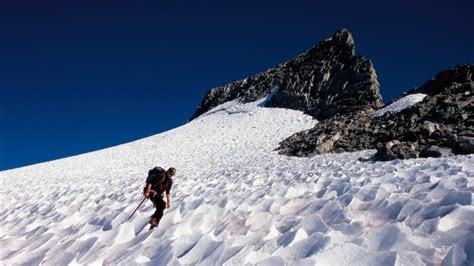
[(401, 104)]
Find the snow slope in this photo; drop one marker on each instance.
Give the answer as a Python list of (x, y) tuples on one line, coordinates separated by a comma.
[(236, 201), (401, 104)]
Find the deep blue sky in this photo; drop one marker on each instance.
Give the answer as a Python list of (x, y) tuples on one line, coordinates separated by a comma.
[(77, 76)]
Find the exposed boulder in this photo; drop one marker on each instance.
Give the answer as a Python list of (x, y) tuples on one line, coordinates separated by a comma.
[(326, 80), (396, 149), (428, 128), (435, 151), (465, 144)]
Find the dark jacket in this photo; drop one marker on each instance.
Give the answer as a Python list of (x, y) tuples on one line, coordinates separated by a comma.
[(160, 187)]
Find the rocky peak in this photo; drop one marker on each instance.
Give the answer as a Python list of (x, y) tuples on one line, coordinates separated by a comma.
[(327, 80), (340, 44)]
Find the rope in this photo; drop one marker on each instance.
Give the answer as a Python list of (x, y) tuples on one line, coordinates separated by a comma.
[(152, 163), (137, 208), (154, 153)]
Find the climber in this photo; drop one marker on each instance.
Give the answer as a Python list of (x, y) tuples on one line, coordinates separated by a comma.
[(158, 182)]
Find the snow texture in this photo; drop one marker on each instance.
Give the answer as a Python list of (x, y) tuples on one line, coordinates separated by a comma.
[(236, 201), (401, 104)]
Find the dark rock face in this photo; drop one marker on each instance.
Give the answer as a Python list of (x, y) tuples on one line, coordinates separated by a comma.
[(440, 125), (339, 133), (443, 121), (327, 80)]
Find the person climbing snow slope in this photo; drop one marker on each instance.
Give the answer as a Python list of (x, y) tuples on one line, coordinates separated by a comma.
[(158, 182)]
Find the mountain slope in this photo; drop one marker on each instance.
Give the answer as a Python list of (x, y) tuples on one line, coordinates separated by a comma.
[(235, 201)]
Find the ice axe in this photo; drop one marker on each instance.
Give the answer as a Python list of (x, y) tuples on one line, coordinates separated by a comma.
[(137, 208)]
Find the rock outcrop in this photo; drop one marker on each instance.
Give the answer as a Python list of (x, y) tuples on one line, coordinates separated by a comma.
[(340, 133), (441, 124), (327, 80)]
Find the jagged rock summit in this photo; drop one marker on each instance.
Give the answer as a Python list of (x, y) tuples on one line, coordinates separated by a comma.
[(326, 80)]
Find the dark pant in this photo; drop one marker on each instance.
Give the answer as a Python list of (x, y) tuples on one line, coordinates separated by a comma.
[(160, 205)]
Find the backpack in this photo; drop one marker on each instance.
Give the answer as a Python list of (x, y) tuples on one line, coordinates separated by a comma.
[(153, 173)]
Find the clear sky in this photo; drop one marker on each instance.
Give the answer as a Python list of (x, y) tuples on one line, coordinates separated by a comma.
[(77, 76)]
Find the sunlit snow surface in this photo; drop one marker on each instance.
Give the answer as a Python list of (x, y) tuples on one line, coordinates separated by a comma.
[(401, 103), (235, 201)]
